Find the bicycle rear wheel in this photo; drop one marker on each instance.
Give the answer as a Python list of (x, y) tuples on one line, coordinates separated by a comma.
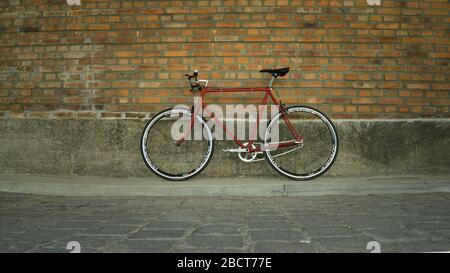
[(305, 159), (167, 156)]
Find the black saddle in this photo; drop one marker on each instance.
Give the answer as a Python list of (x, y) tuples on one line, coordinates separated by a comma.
[(276, 72)]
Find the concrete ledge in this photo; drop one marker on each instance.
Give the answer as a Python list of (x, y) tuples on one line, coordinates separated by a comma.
[(98, 147), (98, 186)]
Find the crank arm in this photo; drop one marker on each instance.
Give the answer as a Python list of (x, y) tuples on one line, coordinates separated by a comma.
[(239, 150)]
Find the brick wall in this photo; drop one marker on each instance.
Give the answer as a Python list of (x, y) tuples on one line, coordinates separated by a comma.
[(118, 58)]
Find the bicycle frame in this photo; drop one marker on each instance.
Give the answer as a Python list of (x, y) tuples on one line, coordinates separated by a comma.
[(268, 94)]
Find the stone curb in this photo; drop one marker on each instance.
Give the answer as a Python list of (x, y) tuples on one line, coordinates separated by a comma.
[(258, 186)]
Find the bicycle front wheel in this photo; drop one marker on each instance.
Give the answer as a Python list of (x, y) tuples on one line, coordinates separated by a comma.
[(300, 143), (175, 145)]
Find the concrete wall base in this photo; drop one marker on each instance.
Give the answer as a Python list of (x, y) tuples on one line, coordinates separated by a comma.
[(111, 148)]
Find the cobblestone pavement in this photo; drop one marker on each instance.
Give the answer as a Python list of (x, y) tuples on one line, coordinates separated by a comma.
[(399, 223)]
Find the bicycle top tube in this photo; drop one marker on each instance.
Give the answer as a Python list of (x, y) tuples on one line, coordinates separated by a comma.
[(242, 89)]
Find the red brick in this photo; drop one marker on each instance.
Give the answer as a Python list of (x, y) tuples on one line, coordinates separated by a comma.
[(110, 115), (363, 101), (441, 86), (418, 86), (98, 27), (390, 101), (149, 100), (388, 26), (125, 54)]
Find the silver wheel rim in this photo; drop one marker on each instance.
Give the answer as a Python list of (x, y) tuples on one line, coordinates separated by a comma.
[(330, 159), (153, 167)]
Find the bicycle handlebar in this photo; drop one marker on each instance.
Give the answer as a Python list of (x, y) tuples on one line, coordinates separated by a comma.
[(194, 84)]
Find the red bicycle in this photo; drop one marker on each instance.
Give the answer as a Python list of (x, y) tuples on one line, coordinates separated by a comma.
[(299, 142)]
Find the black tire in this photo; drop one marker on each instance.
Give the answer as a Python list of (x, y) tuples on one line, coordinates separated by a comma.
[(163, 174), (329, 161)]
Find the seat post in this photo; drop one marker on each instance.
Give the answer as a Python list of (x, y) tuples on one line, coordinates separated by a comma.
[(271, 81)]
